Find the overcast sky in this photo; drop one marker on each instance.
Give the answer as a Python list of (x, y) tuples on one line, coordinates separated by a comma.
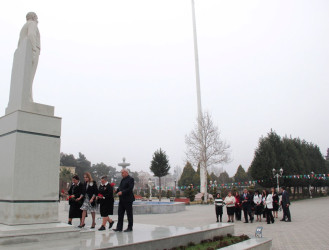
[(121, 73)]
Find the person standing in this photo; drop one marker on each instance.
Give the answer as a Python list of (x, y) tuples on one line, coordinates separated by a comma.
[(268, 205), (89, 204), (230, 205), (106, 201), (75, 199), (258, 205), (275, 198), (246, 206), (285, 202), (237, 206), (126, 199), (219, 207)]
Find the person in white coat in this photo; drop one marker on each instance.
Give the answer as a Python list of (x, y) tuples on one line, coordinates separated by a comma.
[(268, 205)]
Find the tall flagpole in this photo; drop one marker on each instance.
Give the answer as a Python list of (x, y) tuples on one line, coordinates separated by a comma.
[(196, 62), (203, 179)]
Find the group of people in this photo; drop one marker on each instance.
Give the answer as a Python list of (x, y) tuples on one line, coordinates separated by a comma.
[(265, 204), (84, 197)]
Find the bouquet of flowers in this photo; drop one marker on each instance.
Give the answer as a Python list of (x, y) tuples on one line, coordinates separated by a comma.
[(112, 184), (70, 197), (100, 196)]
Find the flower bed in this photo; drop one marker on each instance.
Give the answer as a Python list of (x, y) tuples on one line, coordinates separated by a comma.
[(215, 243)]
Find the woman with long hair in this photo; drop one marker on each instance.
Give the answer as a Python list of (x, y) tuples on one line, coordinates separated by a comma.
[(275, 198), (89, 204), (238, 206), (268, 204)]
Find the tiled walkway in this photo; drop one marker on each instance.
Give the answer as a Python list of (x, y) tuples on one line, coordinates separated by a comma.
[(309, 228)]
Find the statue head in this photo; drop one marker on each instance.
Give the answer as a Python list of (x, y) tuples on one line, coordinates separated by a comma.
[(31, 16)]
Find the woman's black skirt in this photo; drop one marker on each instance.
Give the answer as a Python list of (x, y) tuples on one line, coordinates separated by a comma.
[(230, 210), (106, 209)]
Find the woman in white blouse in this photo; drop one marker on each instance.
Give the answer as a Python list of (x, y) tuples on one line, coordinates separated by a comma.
[(258, 205), (230, 206), (268, 204)]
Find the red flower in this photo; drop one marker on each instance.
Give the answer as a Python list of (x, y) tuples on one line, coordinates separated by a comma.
[(70, 197), (112, 184), (100, 196)]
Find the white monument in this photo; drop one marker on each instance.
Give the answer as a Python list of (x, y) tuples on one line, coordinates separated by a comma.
[(29, 151)]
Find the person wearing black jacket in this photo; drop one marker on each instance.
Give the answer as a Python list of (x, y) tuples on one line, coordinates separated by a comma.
[(106, 201), (285, 202), (89, 204), (75, 199), (246, 200), (126, 199)]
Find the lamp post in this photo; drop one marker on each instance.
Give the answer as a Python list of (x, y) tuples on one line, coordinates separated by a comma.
[(310, 186), (277, 175), (175, 186)]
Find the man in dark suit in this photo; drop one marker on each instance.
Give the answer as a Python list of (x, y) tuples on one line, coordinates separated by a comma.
[(285, 202), (246, 200), (126, 199)]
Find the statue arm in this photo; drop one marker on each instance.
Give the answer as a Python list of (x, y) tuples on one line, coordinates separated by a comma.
[(32, 35)]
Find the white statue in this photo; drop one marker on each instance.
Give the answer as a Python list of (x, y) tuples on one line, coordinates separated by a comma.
[(25, 64), (31, 32)]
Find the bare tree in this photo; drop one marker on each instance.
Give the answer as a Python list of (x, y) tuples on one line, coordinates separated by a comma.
[(205, 146)]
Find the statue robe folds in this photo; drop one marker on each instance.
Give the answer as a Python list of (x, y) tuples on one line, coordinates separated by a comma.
[(22, 75)]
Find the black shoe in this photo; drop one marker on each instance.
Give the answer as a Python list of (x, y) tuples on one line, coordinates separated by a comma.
[(101, 228), (283, 220), (117, 230), (111, 224), (70, 222), (81, 226), (92, 227), (245, 222), (128, 230), (273, 221), (268, 223), (220, 220), (288, 220), (217, 221)]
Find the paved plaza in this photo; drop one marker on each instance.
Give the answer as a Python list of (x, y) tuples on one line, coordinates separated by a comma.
[(309, 228)]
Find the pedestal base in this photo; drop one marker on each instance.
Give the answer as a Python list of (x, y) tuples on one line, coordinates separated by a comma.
[(29, 167)]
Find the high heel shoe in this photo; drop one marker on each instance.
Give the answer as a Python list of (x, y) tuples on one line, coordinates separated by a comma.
[(70, 222), (111, 224), (81, 226), (93, 226)]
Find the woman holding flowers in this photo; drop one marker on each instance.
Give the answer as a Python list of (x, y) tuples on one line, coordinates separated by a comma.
[(89, 204), (106, 201), (75, 199)]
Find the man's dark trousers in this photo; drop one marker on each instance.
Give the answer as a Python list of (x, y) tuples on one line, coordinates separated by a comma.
[(125, 206)]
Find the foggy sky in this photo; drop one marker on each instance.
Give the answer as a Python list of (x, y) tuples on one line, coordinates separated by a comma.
[(121, 73)]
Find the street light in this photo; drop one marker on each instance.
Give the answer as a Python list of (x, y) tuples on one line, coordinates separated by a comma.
[(175, 186), (310, 186), (277, 175)]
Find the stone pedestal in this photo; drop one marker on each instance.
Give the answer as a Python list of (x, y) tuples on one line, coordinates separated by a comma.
[(29, 167)]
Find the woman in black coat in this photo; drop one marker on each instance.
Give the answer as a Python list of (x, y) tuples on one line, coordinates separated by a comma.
[(89, 204), (75, 199), (106, 201), (275, 198)]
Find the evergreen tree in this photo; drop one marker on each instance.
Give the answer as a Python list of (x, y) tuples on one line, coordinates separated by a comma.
[(240, 175), (160, 166), (187, 176)]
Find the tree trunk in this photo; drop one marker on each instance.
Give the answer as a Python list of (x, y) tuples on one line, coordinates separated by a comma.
[(160, 189)]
